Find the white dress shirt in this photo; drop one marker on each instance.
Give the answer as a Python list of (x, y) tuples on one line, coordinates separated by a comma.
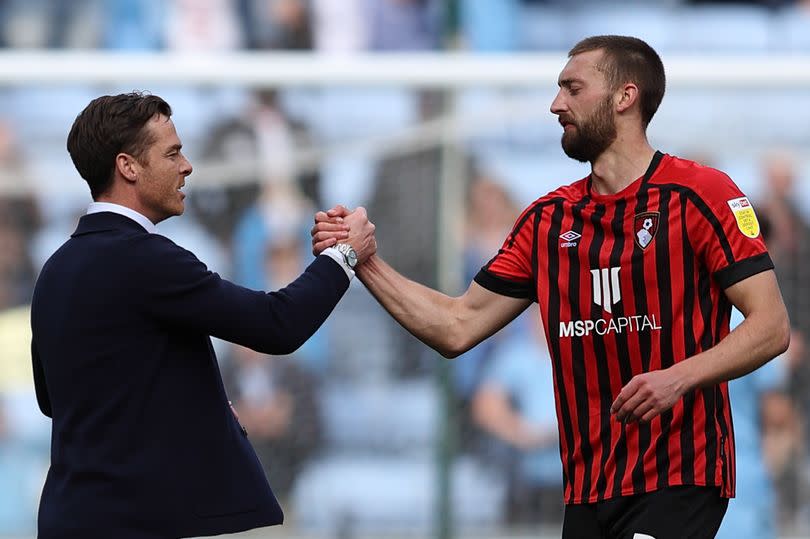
[(98, 207)]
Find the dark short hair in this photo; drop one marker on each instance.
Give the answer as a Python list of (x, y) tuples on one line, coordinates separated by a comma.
[(109, 125), (629, 59)]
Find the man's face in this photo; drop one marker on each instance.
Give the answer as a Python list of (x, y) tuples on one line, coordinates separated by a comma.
[(584, 106), (162, 171)]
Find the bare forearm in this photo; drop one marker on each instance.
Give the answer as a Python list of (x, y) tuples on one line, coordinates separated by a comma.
[(427, 314), (449, 325)]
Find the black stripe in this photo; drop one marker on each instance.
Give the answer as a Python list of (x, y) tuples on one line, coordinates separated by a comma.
[(505, 287), (552, 317), (709, 215), (622, 346), (578, 358), (690, 347), (535, 209), (654, 162), (712, 448), (508, 287), (665, 353), (645, 345), (722, 318), (602, 361), (742, 269), (706, 342), (536, 253)]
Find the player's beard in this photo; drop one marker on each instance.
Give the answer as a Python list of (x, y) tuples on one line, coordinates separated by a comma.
[(591, 137)]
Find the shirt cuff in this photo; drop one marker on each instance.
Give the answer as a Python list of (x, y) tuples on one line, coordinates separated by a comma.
[(337, 256)]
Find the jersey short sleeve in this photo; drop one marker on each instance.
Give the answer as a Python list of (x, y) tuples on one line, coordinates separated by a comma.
[(510, 272), (729, 237)]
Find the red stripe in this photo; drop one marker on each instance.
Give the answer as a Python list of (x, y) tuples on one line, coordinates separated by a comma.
[(589, 353), (611, 350), (653, 306), (634, 351), (676, 238), (571, 483)]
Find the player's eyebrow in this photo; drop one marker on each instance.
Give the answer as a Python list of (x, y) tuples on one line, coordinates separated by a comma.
[(566, 83)]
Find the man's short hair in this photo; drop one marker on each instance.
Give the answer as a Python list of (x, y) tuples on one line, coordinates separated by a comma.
[(629, 59), (109, 125)]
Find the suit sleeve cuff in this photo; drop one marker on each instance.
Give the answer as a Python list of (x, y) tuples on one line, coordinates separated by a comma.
[(335, 255)]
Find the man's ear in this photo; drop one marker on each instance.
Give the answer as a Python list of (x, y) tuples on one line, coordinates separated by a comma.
[(627, 96), (127, 166)]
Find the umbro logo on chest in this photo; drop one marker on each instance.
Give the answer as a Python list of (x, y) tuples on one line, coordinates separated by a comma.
[(569, 239)]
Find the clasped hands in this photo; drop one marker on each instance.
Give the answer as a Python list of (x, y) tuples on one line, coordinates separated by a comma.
[(340, 225)]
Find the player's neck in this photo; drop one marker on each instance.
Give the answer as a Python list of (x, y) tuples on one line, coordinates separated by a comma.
[(620, 165)]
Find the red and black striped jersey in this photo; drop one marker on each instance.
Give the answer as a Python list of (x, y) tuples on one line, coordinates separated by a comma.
[(630, 283)]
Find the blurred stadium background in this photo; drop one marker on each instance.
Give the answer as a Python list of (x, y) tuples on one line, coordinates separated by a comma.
[(434, 115)]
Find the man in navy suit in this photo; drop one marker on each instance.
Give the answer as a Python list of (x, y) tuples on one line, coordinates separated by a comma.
[(144, 443)]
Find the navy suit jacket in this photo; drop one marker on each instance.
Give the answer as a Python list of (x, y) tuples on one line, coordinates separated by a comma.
[(144, 444)]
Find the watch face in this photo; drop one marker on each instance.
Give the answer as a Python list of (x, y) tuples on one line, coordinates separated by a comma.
[(349, 254)]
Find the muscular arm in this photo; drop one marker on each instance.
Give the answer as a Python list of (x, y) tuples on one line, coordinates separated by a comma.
[(763, 335), (449, 325)]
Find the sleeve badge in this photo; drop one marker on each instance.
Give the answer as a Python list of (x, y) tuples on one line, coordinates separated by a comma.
[(744, 215)]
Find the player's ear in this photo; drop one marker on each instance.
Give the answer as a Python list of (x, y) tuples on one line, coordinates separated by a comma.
[(627, 95), (126, 165)]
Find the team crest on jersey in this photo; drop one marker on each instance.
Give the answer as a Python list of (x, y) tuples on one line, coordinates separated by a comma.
[(644, 228), (744, 214)]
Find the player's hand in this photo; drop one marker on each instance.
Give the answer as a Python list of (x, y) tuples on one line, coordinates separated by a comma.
[(329, 229), (647, 395), (340, 225), (361, 234)]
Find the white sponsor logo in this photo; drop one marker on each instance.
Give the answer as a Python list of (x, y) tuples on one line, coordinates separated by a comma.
[(620, 324), (606, 293), (606, 290), (569, 239)]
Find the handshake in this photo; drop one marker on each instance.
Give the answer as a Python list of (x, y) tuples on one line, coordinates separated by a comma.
[(339, 225)]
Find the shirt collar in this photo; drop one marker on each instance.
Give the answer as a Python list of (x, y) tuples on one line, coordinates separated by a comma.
[(97, 207)]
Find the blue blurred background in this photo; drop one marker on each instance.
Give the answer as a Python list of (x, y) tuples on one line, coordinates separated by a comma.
[(364, 432)]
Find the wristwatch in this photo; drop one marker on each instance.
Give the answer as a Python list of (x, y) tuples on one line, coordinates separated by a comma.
[(349, 254)]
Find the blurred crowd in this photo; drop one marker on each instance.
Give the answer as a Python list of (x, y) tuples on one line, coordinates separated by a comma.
[(386, 25), (357, 408)]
